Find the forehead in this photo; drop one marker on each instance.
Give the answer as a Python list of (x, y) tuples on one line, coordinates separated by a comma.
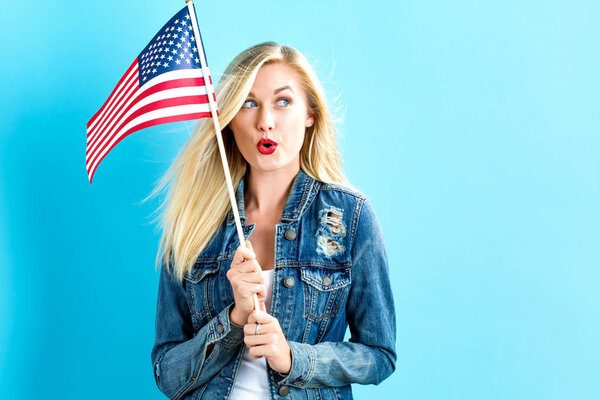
[(275, 76)]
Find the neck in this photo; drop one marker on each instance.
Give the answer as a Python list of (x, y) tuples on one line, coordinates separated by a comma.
[(268, 190)]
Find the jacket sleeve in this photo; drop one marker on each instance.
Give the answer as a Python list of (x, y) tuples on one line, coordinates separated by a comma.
[(178, 356), (369, 356)]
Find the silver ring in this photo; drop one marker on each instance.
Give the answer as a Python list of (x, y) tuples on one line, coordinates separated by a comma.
[(257, 331)]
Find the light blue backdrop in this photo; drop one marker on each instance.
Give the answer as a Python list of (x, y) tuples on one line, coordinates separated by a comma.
[(473, 127)]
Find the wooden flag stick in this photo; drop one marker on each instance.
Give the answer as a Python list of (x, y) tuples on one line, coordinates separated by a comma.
[(215, 118)]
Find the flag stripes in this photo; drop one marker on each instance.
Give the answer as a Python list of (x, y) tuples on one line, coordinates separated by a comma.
[(178, 95)]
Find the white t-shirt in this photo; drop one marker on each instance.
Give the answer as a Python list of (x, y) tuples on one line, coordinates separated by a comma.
[(251, 381)]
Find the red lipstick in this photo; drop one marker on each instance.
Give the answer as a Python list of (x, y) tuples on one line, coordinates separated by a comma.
[(266, 146)]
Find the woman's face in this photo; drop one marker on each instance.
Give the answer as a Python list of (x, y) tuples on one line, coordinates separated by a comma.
[(269, 128)]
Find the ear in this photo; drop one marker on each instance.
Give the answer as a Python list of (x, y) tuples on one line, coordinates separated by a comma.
[(310, 120)]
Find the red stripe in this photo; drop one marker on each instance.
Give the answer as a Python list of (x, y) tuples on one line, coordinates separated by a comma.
[(172, 84), (147, 124), (114, 90), (157, 105), (102, 128), (106, 118)]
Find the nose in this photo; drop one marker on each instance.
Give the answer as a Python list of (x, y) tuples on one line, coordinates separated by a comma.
[(266, 121)]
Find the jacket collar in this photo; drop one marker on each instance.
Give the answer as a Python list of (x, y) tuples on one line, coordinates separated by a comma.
[(301, 194)]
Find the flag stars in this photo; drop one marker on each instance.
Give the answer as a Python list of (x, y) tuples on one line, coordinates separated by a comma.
[(170, 58), (165, 65), (179, 29), (178, 62)]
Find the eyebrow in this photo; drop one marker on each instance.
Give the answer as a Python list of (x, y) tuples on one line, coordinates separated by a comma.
[(275, 91)]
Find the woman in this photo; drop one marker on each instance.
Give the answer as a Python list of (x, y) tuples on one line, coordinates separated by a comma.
[(314, 250)]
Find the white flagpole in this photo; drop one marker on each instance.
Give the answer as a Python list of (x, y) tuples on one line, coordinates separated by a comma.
[(215, 118)]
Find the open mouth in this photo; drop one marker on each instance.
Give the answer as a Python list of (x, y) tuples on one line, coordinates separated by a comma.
[(266, 146)]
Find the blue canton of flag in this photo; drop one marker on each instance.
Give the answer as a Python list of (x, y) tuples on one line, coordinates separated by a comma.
[(172, 48)]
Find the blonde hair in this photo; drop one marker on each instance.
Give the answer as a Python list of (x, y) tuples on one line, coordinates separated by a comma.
[(197, 200)]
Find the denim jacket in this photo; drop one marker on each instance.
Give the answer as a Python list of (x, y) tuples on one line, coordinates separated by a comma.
[(331, 273)]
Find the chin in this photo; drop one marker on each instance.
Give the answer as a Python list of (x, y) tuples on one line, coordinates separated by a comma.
[(269, 165)]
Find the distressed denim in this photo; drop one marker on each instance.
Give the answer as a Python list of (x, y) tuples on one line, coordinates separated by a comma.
[(331, 273)]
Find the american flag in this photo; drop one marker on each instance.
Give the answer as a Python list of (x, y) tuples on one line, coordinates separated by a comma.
[(163, 84)]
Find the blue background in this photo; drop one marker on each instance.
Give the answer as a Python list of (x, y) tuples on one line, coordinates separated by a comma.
[(472, 126)]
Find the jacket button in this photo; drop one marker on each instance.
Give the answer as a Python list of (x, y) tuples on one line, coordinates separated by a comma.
[(326, 281), (289, 282), (284, 390), (290, 234), (220, 329)]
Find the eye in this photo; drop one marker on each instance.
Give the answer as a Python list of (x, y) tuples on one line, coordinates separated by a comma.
[(249, 104), (284, 102)]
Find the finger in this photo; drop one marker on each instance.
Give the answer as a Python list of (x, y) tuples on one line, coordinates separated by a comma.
[(250, 329), (264, 350), (259, 340), (244, 290), (246, 266), (262, 305), (246, 252), (261, 317), (252, 277)]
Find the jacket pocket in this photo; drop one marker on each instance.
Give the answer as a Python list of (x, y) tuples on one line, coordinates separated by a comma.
[(325, 289), (200, 286)]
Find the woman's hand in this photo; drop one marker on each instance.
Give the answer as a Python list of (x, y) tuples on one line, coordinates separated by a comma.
[(246, 279), (270, 342)]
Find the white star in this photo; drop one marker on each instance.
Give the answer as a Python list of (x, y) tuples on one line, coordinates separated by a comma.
[(154, 71), (178, 45), (182, 22), (193, 39), (196, 59), (187, 16), (187, 60), (162, 56), (190, 27), (194, 48), (170, 43), (169, 35), (187, 33), (170, 58), (144, 78), (178, 62), (174, 51), (166, 65), (179, 29), (175, 36), (152, 64), (176, 21)]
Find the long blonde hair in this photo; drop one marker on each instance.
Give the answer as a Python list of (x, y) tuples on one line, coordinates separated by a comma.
[(197, 200)]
